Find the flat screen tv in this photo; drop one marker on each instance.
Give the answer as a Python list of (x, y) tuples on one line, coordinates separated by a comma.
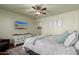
[(21, 24)]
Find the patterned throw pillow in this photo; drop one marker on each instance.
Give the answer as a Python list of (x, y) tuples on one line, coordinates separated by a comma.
[(77, 45), (71, 40)]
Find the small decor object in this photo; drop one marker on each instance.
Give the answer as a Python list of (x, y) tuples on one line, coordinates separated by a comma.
[(38, 27), (21, 24)]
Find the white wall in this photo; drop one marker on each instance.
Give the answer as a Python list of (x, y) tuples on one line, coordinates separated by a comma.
[(7, 24), (70, 23)]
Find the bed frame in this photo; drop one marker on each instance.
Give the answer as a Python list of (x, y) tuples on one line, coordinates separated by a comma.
[(30, 51)]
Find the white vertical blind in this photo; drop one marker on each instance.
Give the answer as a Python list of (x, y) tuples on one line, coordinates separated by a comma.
[(60, 23), (51, 23), (55, 23)]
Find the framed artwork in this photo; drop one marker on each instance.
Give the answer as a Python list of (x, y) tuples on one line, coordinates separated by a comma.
[(21, 24)]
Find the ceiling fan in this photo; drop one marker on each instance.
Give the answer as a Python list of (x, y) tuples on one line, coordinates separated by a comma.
[(39, 9)]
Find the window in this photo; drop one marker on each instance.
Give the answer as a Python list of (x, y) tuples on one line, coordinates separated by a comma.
[(57, 23)]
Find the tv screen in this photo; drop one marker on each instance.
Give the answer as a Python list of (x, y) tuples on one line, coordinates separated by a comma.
[(21, 24)]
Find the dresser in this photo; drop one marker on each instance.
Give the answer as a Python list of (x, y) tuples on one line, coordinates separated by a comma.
[(20, 38)]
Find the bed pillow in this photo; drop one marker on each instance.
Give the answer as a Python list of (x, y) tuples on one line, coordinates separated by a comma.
[(71, 39), (77, 45), (63, 36)]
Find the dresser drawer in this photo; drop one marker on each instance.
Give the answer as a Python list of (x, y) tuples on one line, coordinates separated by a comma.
[(20, 38)]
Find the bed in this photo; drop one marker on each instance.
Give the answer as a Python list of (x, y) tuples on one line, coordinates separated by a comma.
[(48, 45)]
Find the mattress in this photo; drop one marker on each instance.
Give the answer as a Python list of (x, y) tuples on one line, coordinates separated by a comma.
[(48, 45)]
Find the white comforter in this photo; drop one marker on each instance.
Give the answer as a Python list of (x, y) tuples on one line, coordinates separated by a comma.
[(47, 45)]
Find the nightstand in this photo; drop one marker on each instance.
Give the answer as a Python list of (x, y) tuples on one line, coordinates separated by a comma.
[(4, 44)]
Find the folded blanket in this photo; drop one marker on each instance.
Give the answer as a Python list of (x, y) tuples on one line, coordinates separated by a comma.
[(40, 37)]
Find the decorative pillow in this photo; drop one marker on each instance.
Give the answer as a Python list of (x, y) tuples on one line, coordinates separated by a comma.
[(71, 39), (63, 36), (77, 45)]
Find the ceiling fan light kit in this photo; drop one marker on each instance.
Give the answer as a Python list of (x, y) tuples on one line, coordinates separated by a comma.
[(38, 13)]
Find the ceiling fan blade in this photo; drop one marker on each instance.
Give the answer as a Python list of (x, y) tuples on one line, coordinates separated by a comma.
[(38, 8), (43, 9), (43, 12), (33, 7)]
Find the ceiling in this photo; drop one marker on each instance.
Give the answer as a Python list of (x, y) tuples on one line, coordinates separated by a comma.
[(52, 9)]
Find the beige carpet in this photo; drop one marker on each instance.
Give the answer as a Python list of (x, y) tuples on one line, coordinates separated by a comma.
[(17, 51)]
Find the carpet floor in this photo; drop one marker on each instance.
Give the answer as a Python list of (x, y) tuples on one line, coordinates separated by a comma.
[(17, 51)]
